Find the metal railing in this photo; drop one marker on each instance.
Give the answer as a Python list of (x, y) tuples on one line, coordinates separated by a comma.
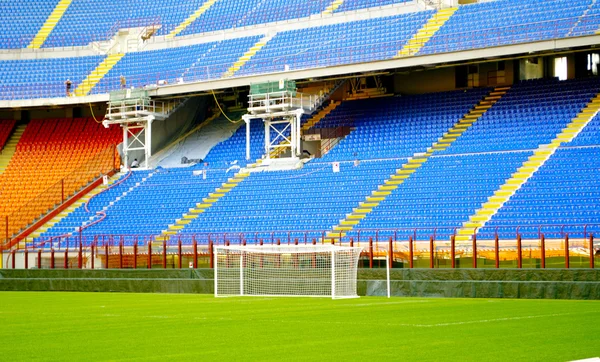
[(410, 247)]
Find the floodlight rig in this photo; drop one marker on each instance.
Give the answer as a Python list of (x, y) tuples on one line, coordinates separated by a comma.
[(278, 103), (135, 112)]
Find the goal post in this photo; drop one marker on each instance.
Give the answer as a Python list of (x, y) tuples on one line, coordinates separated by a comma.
[(287, 271)]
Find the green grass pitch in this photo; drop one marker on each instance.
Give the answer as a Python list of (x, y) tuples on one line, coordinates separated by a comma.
[(142, 327)]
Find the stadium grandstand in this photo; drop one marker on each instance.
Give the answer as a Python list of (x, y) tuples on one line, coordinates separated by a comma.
[(322, 148), (456, 129)]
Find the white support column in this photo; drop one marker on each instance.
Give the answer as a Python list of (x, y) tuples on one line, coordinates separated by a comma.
[(299, 137), (293, 135), (148, 145), (246, 118), (125, 145), (267, 138)]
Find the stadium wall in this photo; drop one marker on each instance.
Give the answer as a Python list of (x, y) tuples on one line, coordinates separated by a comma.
[(475, 283)]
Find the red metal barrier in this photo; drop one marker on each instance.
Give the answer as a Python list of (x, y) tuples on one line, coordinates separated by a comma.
[(12, 255), (410, 252), (179, 253), (121, 255), (497, 251), (164, 255), (195, 261), (453, 251), (52, 258), (475, 251), (391, 252), (80, 255), (519, 253), (543, 251), (592, 251), (149, 255), (431, 253), (567, 251), (135, 254), (66, 261), (26, 255), (371, 253), (39, 259), (93, 249), (106, 255)]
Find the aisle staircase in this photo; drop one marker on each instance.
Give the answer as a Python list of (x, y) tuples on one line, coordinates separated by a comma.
[(413, 164), (195, 15), (426, 32), (201, 207), (97, 74), (247, 55), (529, 167), (10, 147), (46, 29), (332, 7)]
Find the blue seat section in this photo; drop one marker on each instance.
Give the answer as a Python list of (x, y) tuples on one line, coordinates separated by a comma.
[(564, 191), (21, 20), (86, 21), (505, 22), (43, 78), (349, 5), (399, 126), (531, 113), (228, 14), (441, 195), (310, 199), (234, 149), (191, 63), (345, 43), (590, 135), (153, 201), (590, 23)]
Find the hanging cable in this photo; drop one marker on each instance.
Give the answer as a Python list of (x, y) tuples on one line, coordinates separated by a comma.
[(93, 116), (221, 109)]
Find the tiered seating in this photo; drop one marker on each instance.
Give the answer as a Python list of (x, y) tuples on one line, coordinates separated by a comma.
[(589, 24), (505, 22), (561, 197), (21, 20), (6, 127), (190, 63), (349, 5), (352, 42), (234, 14), (43, 78), (564, 191), (532, 113), (81, 26), (311, 199), (397, 127), (48, 152)]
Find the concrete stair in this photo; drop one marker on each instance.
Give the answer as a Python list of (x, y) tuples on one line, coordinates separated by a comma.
[(97, 74), (247, 55), (190, 19), (46, 29), (201, 207), (10, 147), (332, 7), (426, 32)]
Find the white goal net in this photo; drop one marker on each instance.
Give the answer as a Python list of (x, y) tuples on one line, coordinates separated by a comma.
[(286, 271)]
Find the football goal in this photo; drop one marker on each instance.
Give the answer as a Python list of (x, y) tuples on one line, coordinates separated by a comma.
[(286, 271)]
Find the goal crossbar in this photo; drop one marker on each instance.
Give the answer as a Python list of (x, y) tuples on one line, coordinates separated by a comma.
[(286, 270)]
